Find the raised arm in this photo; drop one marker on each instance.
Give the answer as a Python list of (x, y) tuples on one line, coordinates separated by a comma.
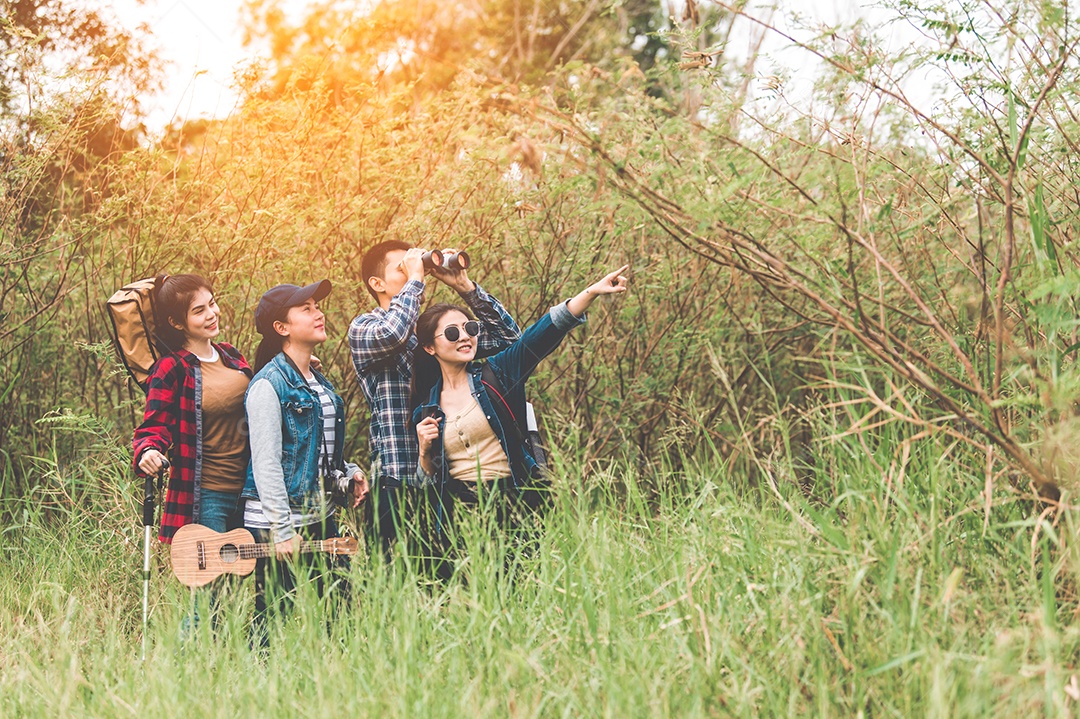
[(375, 337), (612, 283), (520, 360), (500, 329)]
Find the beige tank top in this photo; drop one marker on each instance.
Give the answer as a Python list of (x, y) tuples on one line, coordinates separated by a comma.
[(473, 452)]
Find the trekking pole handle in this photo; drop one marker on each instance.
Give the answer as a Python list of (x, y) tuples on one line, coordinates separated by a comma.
[(148, 494)]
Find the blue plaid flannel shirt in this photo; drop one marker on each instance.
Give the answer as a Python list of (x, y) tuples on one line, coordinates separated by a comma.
[(382, 343)]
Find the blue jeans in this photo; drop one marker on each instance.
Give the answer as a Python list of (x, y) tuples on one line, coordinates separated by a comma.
[(221, 512)]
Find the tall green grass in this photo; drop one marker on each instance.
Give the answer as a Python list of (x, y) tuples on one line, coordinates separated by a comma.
[(704, 595)]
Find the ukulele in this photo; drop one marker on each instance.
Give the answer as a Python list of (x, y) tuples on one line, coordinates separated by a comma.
[(200, 555)]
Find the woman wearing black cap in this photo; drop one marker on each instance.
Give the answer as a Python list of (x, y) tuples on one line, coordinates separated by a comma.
[(297, 426)]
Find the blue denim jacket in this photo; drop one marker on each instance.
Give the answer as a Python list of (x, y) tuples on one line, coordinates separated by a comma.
[(301, 431), (512, 366)]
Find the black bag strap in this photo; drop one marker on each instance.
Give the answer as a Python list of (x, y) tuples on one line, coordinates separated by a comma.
[(326, 459), (506, 415), (502, 407)]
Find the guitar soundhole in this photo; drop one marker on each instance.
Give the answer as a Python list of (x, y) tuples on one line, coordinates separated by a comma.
[(229, 553)]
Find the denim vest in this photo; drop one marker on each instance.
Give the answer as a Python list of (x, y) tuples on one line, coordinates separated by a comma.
[(301, 431)]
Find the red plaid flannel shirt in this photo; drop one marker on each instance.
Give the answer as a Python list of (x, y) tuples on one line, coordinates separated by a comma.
[(169, 427)]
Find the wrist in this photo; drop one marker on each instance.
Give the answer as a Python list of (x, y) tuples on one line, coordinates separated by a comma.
[(580, 303)]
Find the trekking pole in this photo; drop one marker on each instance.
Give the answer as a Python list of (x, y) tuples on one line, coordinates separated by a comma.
[(148, 524)]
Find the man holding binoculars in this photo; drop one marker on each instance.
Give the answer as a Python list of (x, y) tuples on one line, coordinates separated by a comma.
[(382, 341)]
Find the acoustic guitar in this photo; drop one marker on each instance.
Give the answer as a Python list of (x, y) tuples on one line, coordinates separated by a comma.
[(201, 555)]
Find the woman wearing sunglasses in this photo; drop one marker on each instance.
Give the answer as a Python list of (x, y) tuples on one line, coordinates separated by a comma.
[(464, 447)]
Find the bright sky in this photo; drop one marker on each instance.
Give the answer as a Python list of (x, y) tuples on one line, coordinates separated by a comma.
[(202, 42)]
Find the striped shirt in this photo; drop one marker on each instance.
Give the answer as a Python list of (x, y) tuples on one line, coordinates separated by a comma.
[(253, 513), (326, 453)]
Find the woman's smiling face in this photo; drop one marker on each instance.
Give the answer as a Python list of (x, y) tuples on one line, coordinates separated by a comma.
[(202, 318), (461, 350)]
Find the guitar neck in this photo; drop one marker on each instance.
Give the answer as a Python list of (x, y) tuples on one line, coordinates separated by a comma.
[(259, 551)]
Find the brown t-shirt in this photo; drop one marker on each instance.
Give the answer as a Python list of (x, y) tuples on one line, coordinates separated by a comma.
[(225, 431)]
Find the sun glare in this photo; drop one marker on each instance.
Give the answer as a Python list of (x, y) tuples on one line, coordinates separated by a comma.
[(202, 43)]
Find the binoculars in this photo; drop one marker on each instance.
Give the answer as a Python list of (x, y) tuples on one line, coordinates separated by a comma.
[(447, 261)]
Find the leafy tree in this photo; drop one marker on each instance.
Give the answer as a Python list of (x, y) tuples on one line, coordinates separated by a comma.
[(427, 44), (932, 250), (68, 117), (46, 45)]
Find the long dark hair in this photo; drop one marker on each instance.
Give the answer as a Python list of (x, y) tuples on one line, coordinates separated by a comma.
[(171, 302), (426, 370), (271, 344), (269, 347)]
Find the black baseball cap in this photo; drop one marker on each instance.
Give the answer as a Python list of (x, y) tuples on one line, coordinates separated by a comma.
[(276, 301)]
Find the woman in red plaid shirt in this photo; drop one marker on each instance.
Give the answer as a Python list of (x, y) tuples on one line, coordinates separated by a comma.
[(195, 412)]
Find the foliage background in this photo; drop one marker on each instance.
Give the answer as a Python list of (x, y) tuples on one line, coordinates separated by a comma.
[(836, 294)]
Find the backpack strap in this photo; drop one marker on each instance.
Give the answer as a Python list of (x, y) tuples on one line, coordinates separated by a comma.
[(506, 415), (502, 407)]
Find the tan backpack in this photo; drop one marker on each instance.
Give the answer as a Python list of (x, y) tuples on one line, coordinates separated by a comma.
[(131, 310)]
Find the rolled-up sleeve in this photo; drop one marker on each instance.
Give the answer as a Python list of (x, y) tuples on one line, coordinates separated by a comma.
[(563, 318), (500, 329)]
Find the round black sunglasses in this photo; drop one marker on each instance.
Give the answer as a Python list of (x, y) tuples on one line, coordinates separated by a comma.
[(453, 333)]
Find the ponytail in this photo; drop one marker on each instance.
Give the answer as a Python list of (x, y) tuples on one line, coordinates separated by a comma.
[(269, 348)]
